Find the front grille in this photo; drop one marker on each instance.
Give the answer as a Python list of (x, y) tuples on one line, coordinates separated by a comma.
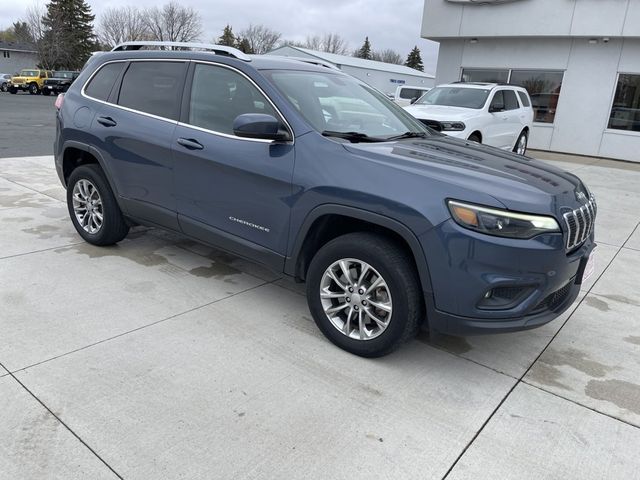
[(555, 299), (580, 223), (432, 124)]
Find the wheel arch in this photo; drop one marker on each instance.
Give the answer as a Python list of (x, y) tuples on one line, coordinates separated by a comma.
[(329, 221), (75, 154)]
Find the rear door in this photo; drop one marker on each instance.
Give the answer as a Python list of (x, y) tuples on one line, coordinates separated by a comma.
[(231, 192), (136, 125), (515, 118)]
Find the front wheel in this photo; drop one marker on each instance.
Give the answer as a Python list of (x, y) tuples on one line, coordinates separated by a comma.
[(13, 90), (46, 92), (364, 294), (93, 208), (474, 137), (33, 89), (521, 144)]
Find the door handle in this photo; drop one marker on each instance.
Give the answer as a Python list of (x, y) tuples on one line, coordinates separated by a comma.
[(190, 143), (107, 121)]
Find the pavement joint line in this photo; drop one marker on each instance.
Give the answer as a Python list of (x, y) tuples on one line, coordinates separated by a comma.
[(122, 334), (32, 189), (39, 251), (521, 379), (64, 424), (575, 402)]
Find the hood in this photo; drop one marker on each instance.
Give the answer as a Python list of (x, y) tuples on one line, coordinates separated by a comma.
[(441, 112), (18, 79), (518, 183)]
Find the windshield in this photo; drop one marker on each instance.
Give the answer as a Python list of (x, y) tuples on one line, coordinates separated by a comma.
[(29, 73), (58, 74), (455, 97), (334, 103)]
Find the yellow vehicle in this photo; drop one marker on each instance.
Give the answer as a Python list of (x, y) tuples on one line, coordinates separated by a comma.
[(29, 80)]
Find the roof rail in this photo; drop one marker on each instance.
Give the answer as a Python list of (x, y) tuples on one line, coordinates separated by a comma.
[(155, 45), (314, 61)]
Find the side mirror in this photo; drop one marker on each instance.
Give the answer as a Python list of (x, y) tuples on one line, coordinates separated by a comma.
[(261, 126), (496, 108)]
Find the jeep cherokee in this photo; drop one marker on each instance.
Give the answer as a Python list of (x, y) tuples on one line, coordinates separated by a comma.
[(315, 174)]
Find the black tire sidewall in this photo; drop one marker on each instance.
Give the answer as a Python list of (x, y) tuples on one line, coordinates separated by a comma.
[(394, 333), (526, 136), (111, 230), (474, 138)]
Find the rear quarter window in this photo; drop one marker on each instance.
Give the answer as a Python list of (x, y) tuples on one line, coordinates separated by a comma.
[(99, 87)]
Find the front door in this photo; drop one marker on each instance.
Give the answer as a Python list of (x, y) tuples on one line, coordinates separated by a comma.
[(232, 192)]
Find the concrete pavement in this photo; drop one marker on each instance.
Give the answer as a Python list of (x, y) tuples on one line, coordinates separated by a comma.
[(163, 358)]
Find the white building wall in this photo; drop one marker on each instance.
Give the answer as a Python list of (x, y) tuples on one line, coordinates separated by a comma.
[(383, 80)]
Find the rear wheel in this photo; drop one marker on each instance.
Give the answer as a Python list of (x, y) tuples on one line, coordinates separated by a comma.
[(364, 295), (521, 144), (4, 87), (93, 208)]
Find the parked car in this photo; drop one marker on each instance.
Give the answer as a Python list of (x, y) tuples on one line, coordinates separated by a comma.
[(393, 226), (406, 95), (59, 82), (494, 114), (29, 80), (5, 79)]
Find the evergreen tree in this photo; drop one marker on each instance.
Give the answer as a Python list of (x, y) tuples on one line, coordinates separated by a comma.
[(414, 60), (68, 38), (244, 46), (22, 33), (227, 38), (364, 51)]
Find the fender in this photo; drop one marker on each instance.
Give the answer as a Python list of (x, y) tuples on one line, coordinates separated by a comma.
[(408, 236), (94, 153)]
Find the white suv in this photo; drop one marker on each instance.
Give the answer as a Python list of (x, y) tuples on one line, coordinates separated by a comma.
[(489, 113)]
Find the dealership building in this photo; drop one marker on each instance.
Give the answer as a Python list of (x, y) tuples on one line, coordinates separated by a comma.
[(386, 77), (579, 59)]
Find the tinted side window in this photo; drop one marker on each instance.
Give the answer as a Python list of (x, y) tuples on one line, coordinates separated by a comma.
[(219, 95), (102, 82), (498, 100), (524, 98), (410, 93), (510, 100), (153, 87)]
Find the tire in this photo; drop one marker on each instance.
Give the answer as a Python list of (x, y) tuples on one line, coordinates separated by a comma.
[(474, 137), (401, 293), (46, 92), (4, 87), (521, 149), (13, 90), (113, 227), (33, 89)]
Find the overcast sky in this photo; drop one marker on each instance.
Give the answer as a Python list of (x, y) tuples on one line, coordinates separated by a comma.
[(393, 25)]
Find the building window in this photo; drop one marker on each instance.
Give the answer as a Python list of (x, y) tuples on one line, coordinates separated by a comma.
[(625, 112), (6, 54), (485, 75), (544, 90)]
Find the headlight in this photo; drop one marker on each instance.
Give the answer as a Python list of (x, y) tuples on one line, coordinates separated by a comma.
[(501, 223), (453, 126)]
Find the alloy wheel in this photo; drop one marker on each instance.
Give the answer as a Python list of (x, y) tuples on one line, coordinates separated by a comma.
[(356, 299), (521, 149), (87, 206)]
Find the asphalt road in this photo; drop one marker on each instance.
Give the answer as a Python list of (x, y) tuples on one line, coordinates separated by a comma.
[(27, 124)]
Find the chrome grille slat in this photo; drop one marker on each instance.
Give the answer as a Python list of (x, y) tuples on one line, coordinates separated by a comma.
[(580, 223)]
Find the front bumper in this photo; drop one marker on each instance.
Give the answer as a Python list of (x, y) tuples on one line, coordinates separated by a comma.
[(56, 88), (465, 265)]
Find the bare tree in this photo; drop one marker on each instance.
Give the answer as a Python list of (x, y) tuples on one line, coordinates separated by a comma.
[(173, 23), (122, 24), (388, 56), (329, 42), (33, 19), (260, 38)]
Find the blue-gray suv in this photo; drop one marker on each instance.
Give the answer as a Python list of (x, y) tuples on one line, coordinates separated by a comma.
[(313, 173)]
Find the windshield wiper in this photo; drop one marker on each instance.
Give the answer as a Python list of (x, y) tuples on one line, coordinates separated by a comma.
[(409, 135), (352, 136)]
